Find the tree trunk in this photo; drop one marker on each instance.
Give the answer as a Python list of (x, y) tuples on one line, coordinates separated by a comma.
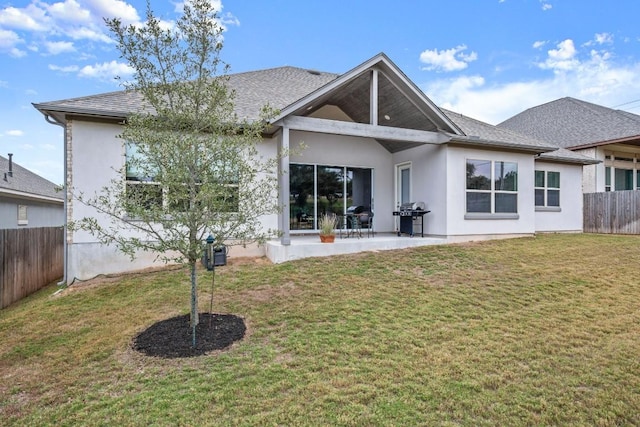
[(194, 301)]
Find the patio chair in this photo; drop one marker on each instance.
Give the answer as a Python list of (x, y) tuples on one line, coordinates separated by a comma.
[(366, 221)]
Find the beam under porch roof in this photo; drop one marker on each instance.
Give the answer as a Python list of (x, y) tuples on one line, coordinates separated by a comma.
[(363, 130)]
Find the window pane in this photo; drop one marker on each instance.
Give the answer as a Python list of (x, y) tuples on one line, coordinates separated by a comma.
[(478, 175), (479, 202), (506, 203), (144, 195), (506, 176), (301, 187), (624, 179), (553, 197), (540, 197), (405, 185), (553, 179), (539, 179), (607, 176), (137, 170), (330, 190)]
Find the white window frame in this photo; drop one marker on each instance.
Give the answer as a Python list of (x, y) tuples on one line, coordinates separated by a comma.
[(400, 167), (545, 189), (23, 215), (492, 191)]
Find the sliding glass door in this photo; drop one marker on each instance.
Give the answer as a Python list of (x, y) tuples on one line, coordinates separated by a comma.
[(324, 189)]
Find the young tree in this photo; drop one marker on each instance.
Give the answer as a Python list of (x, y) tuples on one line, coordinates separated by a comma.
[(192, 165)]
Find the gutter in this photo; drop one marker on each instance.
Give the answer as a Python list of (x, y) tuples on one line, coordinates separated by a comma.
[(65, 250)]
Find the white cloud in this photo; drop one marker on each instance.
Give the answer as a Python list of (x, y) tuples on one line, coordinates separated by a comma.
[(539, 44), (69, 11), (602, 38), (77, 20), (27, 147), (107, 71), (8, 39), (67, 69), (447, 60), (546, 5), (562, 58), (88, 33), (590, 75), (14, 132), (56, 48), (48, 147), (31, 18), (8, 43), (114, 9)]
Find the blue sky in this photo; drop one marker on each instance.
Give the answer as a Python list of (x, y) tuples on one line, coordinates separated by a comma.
[(488, 59)]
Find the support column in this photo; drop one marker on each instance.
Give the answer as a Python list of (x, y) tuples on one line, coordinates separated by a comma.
[(283, 181), (373, 100)]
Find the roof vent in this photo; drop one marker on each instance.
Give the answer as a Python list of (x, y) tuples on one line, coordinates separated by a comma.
[(10, 164), (314, 72)]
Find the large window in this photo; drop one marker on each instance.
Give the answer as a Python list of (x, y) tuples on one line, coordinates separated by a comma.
[(143, 191), (492, 187), (321, 189), (547, 189)]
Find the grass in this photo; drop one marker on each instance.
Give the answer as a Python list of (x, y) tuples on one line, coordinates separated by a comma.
[(534, 331)]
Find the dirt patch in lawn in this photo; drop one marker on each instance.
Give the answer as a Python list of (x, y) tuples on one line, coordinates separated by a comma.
[(172, 338)]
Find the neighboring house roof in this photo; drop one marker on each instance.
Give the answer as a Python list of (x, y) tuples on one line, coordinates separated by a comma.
[(23, 183), (572, 123), (302, 92)]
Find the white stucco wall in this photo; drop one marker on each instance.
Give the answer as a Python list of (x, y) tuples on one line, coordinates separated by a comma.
[(97, 157), (428, 184), (569, 217)]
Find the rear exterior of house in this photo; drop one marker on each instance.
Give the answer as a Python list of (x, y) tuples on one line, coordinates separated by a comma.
[(372, 139)]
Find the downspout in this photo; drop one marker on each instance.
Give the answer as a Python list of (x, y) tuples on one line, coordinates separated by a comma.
[(64, 241)]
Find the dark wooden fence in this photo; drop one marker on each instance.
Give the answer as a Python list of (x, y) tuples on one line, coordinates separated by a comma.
[(615, 212), (31, 259)]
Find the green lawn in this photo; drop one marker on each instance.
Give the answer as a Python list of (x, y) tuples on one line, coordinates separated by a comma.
[(532, 331)]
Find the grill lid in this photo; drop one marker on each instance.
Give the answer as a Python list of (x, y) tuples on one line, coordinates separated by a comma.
[(412, 206)]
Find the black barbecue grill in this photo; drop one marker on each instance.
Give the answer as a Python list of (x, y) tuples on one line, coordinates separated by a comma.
[(409, 213)]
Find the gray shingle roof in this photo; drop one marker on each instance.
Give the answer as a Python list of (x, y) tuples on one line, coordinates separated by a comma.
[(26, 182), (277, 87), (570, 122), (484, 131)]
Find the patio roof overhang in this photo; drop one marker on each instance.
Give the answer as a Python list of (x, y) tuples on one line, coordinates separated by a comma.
[(393, 139)]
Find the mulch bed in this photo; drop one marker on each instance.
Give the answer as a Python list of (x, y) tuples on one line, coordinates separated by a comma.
[(171, 338)]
